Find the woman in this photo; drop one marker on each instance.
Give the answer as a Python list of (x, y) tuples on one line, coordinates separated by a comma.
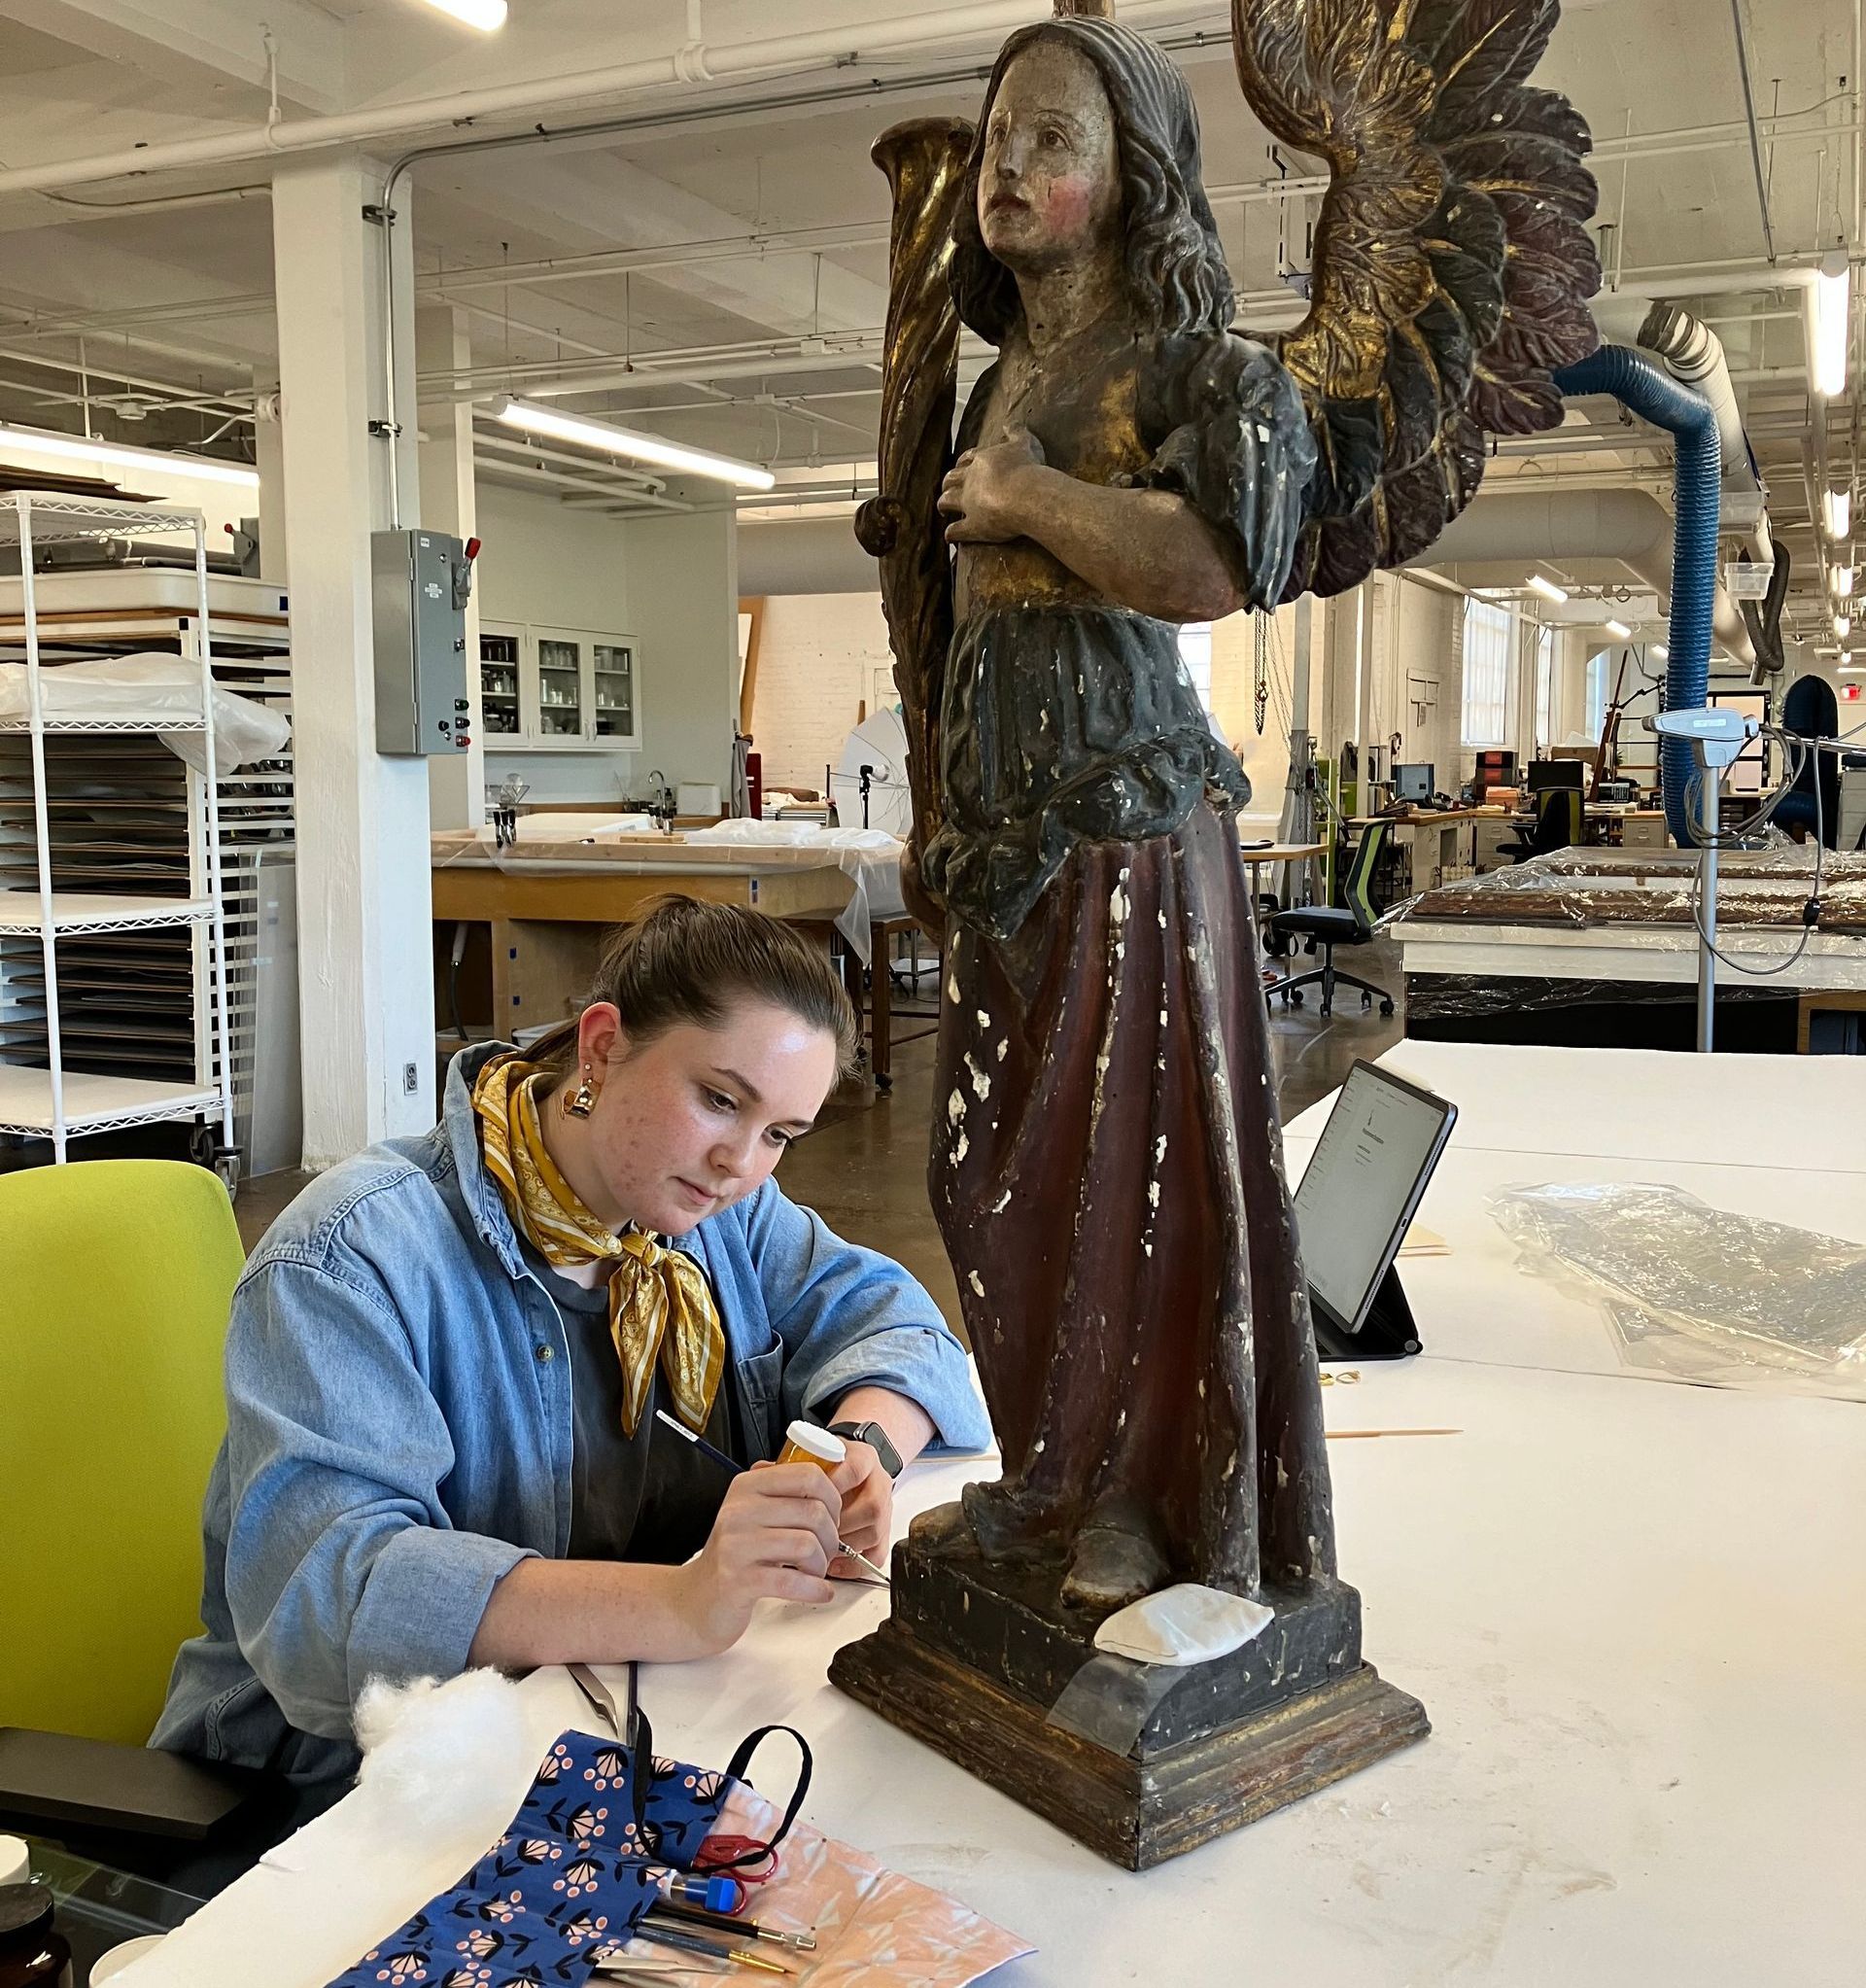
[(1127, 464), (446, 1360)]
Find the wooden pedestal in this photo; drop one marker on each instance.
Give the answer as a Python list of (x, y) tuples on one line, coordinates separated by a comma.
[(974, 1659)]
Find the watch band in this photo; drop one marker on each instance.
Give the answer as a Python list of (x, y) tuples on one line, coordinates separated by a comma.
[(877, 1439)]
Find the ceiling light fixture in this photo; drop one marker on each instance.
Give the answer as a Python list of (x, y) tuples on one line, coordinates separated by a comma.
[(1660, 650), (484, 14), (1619, 631), (1548, 588), (1840, 581), (531, 419), (1832, 327), (152, 462), (1837, 510), (1843, 626)]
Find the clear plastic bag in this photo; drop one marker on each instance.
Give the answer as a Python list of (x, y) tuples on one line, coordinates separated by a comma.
[(148, 689), (1698, 1292)]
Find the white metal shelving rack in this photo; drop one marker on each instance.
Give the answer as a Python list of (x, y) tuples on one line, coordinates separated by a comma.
[(52, 1101)]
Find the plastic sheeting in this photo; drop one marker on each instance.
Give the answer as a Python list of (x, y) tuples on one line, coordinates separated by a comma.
[(147, 690), (1698, 1293)]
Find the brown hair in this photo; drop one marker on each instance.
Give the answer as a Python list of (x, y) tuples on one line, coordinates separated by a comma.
[(685, 960)]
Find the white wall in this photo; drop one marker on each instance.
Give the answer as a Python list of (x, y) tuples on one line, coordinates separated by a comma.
[(821, 658), (669, 583), (684, 590), (1264, 757), (221, 504)]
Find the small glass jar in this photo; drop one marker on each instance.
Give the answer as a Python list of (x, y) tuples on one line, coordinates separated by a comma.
[(32, 1953)]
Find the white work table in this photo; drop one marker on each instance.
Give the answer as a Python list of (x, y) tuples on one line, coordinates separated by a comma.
[(1635, 1613)]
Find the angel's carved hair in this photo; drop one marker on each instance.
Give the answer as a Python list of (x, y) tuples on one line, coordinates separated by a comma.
[(1176, 271)]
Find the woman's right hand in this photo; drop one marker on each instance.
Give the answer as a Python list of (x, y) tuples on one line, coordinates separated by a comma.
[(774, 1539)]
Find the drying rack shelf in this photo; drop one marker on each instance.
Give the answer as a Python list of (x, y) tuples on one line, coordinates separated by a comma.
[(56, 518), (95, 1103), (78, 912)]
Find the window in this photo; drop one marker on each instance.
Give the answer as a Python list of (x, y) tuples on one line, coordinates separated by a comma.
[(1597, 669), (1488, 633), (1545, 689), (1196, 652)]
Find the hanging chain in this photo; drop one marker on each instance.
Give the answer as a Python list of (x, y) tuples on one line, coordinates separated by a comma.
[(1262, 685)]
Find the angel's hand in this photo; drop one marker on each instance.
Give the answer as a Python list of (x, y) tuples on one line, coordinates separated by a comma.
[(986, 493)]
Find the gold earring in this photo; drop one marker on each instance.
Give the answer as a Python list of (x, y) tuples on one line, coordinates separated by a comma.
[(581, 1101)]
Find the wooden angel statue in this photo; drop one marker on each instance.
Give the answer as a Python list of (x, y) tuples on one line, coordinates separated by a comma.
[(1106, 1154)]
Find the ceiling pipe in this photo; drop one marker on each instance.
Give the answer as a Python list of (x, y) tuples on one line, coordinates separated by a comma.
[(771, 55), (1530, 528)]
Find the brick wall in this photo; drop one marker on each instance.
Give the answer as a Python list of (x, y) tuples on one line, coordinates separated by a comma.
[(822, 658)]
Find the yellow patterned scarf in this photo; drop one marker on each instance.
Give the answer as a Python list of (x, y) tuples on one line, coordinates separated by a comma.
[(661, 1306)]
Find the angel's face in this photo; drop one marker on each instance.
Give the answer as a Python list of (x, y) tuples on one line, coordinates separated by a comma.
[(1049, 178)]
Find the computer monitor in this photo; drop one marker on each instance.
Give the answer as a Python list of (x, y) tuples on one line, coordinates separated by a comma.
[(1544, 774), (1414, 782), (1495, 768)]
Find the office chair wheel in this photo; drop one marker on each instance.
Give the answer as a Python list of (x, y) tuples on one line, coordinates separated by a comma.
[(1367, 1001), (1295, 999), (1385, 1009)]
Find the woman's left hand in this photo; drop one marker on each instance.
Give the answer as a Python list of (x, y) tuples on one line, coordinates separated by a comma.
[(986, 491), (868, 1510)]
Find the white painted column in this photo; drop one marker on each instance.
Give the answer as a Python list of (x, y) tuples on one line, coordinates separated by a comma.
[(366, 980), (268, 452), (449, 503)]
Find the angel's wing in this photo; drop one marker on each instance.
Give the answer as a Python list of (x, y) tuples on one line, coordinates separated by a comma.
[(1452, 261)]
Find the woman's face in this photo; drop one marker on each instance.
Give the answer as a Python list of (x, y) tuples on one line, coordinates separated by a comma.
[(1050, 176), (696, 1119)]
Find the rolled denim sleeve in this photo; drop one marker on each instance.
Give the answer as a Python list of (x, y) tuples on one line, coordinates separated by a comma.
[(342, 1563), (851, 1317)]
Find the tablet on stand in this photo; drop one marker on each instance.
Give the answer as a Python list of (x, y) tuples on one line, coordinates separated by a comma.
[(1364, 1185)]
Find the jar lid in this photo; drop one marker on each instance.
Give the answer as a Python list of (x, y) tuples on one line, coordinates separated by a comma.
[(15, 1863), (25, 1908)]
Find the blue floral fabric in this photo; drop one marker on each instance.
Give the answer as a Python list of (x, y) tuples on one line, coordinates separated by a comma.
[(567, 1882)]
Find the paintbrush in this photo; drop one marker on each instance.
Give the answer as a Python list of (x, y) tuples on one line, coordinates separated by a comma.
[(726, 1463), (694, 1944)]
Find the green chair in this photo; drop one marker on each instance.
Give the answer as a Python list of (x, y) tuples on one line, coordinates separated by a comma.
[(116, 1279), (1329, 927)]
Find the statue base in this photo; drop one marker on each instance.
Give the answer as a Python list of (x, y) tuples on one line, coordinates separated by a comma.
[(1141, 1762)]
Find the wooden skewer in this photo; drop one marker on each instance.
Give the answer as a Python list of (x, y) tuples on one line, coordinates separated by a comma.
[(1367, 1435)]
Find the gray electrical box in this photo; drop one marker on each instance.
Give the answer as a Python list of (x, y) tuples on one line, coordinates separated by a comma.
[(421, 584)]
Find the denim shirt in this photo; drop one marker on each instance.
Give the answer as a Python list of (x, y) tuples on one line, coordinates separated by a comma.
[(398, 1396)]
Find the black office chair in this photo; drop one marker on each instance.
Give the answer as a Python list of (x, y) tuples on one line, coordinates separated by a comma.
[(1560, 820), (1328, 927), (1811, 711)]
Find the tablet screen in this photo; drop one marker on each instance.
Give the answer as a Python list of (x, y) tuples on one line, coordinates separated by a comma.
[(1367, 1178)]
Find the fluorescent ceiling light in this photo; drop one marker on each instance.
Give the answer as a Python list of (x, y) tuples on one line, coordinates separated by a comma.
[(1840, 581), (153, 461), (1619, 631), (1843, 626), (1833, 320), (1548, 588), (531, 419), (484, 14), (1837, 509), (1660, 650)]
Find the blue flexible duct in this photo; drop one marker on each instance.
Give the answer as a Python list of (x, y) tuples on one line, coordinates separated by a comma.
[(1648, 389)]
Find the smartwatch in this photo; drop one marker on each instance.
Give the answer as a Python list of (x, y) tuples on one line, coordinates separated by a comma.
[(876, 1437)]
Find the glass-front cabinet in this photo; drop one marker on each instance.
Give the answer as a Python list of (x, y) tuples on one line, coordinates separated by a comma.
[(561, 702), (612, 673), (557, 690), (501, 666)]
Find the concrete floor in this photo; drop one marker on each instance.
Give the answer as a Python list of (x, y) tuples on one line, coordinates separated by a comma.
[(864, 1169)]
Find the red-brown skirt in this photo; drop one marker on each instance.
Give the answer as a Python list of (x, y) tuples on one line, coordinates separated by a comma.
[(1106, 1171)]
